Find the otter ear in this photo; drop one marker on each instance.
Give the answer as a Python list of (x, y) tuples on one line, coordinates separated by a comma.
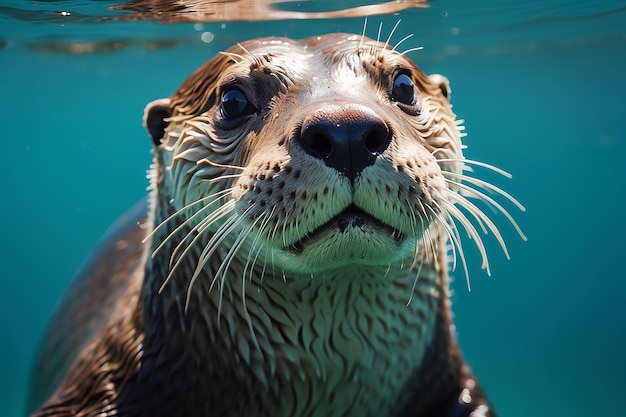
[(443, 84), (154, 119)]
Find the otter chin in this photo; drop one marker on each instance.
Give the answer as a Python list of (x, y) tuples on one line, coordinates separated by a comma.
[(293, 256), (350, 237)]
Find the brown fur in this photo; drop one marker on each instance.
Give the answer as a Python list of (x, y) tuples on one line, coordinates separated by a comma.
[(308, 289)]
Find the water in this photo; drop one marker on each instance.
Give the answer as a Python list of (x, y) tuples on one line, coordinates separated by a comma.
[(540, 84)]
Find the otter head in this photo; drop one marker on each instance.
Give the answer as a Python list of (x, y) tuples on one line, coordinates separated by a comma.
[(327, 175), (310, 155)]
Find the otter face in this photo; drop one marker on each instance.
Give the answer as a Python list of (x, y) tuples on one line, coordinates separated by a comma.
[(311, 155)]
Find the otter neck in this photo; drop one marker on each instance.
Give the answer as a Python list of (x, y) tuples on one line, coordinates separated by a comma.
[(304, 338)]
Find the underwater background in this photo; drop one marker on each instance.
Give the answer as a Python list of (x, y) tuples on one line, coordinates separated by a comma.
[(540, 84)]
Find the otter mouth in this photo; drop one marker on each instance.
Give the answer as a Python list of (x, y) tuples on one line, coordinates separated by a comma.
[(351, 219)]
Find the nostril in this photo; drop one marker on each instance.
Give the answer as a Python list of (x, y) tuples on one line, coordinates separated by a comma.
[(377, 139), (317, 141), (347, 137)]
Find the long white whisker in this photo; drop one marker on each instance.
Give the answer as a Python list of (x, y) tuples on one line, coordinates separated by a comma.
[(401, 41), (414, 219), (391, 33), (264, 264), (477, 163), (253, 56), (200, 228), (456, 241), (175, 215), (453, 236), (216, 164), (253, 245), (380, 29), (223, 177), (272, 234), (426, 231), (417, 277), (491, 201), (214, 243), (471, 231), (221, 272), (229, 225), (178, 262), (429, 248), (180, 226), (485, 185), (408, 51), (362, 34), (236, 57), (478, 214), (200, 233), (243, 276)]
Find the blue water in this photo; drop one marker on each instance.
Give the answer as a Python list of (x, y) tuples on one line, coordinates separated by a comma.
[(541, 85)]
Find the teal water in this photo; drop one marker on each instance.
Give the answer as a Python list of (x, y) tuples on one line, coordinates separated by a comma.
[(541, 85)]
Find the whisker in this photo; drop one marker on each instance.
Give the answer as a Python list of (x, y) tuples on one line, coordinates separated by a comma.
[(425, 230), (477, 163), (257, 238), (232, 252), (297, 227), (485, 185), (408, 51), (374, 50), (429, 248), (267, 52), (452, 234), (254, 244), (478, 214), (254, 255), (454, 237), (229, 225), (401, 41), (414, 219), (246, 313), (471, 231), (202, 226), (388, 269), (429, 244), (174, 267), (417, 276), (236, 57), (175, 215), (391, 33), (272, 237), (200, 234), (205, 256), (272, 234), (251, 55), (218, 165), (222, 178), (491, 201), (455, 241), (264, 264), (183, 224), (284, 232), (362, 34)]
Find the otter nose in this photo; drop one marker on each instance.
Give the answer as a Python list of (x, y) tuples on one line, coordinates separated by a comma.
[(346, 137)]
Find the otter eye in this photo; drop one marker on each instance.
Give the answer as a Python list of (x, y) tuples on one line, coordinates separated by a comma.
[(235, 104), (403, 90)]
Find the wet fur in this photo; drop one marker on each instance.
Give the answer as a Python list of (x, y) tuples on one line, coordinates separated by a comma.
[(245, 299)]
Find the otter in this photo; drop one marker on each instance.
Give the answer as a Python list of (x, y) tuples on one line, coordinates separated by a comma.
[(293, 256)]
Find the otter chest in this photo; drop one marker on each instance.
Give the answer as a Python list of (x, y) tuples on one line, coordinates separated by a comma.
[(332, 347)]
